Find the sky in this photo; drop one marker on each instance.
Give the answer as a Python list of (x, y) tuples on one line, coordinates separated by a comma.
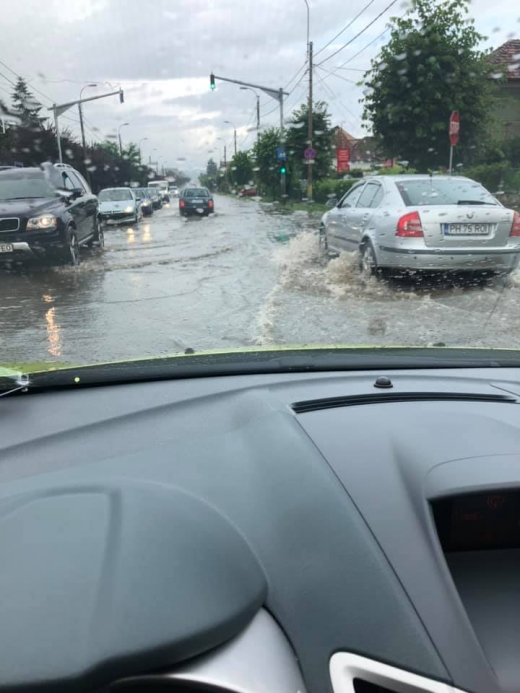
[(161, 53)]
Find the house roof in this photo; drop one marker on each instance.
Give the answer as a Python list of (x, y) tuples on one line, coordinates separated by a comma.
[(507, 57)]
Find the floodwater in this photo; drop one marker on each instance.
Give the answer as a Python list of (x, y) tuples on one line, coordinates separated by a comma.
[(246, 276)]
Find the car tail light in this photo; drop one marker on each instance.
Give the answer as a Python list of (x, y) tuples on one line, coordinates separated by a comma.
[(210, 203), (182, 203), (515, 226), (409, 226)]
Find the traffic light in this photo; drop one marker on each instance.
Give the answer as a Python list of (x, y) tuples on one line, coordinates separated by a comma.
[(212, 81), (121, 96), (283, 168)]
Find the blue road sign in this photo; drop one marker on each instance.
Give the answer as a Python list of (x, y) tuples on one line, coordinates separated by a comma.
[(281, 154)]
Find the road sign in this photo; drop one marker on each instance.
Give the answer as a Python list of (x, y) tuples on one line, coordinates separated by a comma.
[(454, 130), (281, 154), (343, 159), (309, 153)]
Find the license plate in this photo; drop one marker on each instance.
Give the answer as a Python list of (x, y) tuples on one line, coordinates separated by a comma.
[(6, 248), (465, 229), (197, 202)]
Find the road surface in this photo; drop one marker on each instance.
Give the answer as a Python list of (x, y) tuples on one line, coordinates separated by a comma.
[(245, 277)]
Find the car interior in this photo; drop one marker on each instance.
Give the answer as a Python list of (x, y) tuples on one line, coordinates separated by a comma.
[(323, 529)]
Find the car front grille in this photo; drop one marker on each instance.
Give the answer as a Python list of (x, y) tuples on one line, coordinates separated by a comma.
[(9, 224)]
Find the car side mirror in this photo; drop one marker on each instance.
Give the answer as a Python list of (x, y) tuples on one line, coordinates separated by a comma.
[(75, 193), (332, 202)]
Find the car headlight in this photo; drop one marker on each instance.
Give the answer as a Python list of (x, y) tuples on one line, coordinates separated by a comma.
[(45, 221), (129, 209)]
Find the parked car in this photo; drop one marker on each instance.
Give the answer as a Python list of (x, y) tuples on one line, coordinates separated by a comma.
[(247, 192), (155, 197), (145, 201), (119, 204), (421, 222), (47, 212), (196, 201)]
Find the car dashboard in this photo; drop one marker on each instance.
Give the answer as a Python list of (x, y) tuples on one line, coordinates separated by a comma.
[(340, 532)]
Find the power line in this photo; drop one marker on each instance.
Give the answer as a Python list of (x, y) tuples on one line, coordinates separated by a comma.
[(345, 27), (339, 101), (333, 74), (359, 32), (290, 93)]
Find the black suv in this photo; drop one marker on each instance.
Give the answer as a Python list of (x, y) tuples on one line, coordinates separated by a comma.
[(47, 212)]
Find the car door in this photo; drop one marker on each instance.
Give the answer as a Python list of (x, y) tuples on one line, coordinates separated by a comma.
[(360, 215), (90, 201), (76, 205), (338, 220)]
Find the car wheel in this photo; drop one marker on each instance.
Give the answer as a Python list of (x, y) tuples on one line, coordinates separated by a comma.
[(99, 238), (323, 241), (367, 261), (71, 254)]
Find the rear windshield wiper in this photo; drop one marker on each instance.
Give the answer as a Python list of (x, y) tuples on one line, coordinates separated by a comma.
[(475, 202)]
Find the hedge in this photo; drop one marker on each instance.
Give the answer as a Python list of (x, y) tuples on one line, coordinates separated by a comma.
[(327, 188)]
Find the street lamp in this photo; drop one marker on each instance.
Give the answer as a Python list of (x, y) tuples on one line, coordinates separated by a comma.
[(80, 110), (119, 137), (234, 133), (257, 108), (139, 147)]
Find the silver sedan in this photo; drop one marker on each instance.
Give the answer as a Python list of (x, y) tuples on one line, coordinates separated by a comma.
[(422, 222)]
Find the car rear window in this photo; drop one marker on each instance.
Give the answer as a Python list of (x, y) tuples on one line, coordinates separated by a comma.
[(115, 195), (443, 191), (24, 186), (196, 192)]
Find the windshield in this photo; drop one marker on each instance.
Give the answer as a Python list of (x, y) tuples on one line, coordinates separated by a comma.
[(445, 191), (115, 195), (24, 186), (238, 176)]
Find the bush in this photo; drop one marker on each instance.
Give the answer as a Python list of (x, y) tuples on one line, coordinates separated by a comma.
[(327, 188), (491, 176)]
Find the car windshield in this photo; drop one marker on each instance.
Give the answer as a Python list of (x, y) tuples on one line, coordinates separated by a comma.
[(191, 177), (196, 192), (24, 186), (115, 195), (442, 191)]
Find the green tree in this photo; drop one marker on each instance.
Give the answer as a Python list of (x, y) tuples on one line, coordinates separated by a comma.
[(265, 168), (241, 169), (211, 169), (297, 141), (25, 106), (431, 66)]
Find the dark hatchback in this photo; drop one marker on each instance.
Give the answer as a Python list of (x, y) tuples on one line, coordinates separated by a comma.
[(47, 212), (196, 201)]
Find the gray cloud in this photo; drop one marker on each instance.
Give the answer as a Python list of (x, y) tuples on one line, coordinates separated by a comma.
[(163, 51)]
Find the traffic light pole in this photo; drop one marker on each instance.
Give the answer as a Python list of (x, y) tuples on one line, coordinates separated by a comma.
[(62, 108), (276, 94)]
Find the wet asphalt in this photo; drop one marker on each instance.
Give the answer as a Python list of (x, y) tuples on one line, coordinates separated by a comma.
[(246, 276)]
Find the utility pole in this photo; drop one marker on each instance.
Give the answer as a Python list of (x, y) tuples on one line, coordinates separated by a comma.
[(309, 136), (57, 126), (225, 159), (235, 139)]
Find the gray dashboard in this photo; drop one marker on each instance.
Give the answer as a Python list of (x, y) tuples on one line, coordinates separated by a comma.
[(323, 518)]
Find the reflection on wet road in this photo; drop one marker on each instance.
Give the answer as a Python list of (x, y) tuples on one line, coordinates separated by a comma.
[(240, 278)]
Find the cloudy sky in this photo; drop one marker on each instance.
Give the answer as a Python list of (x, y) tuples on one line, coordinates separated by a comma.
[(161, 53)]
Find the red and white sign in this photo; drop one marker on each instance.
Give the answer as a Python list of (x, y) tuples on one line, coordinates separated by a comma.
[(343, 159), (454, 128)]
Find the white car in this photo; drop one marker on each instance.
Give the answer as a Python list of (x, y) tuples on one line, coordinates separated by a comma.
[(119, 204)]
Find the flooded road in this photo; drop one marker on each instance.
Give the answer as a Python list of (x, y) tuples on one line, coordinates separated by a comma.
[(244, 277)]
